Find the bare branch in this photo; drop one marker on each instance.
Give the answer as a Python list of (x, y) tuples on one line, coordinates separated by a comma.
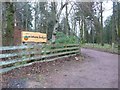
[(19, 9)]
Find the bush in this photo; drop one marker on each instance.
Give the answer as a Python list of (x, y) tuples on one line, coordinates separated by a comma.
[(61, 38)]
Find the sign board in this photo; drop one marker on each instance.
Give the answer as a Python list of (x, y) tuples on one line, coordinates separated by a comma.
[(33, 37)]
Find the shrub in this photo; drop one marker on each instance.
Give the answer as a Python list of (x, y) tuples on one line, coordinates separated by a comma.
[(61, 38)]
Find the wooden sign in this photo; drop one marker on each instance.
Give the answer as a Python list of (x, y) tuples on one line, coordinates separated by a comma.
[(33, 37)]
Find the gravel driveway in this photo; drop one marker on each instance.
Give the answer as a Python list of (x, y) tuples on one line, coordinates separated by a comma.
[(97, 70)]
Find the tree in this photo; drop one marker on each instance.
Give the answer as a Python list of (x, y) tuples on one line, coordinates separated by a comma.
[(101, 33), (23, 15), (87, 13), (108, 30), (0, 24), (118, 23), (52, 18), (40, 16), (10, 23), (67, 21), (45, 14), (113, 25), (57, 21)]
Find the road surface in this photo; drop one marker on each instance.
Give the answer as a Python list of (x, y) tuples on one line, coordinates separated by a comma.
[(97, 70)]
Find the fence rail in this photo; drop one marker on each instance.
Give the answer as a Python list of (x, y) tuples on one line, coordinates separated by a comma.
[(20, 56)]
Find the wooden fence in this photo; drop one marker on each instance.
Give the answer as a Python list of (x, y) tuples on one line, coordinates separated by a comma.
[(20, 56)]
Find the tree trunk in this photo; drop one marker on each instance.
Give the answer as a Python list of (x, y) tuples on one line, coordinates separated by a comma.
[(74, 25), (66, 20), (57, 22), (36, 15), (102, 43), (0, 24), (1, 39), (10, 23), (114, 26), (118, 4), (98, 33), (26, 24), (84, 29), (81, 30)]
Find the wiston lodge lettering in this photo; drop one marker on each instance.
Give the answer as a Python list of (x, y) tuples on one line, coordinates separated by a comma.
[(36, 37)]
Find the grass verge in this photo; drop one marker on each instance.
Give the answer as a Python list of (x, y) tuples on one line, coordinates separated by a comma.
[(105, 48)]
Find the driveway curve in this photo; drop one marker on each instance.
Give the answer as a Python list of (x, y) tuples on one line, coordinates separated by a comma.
[(97, 70)]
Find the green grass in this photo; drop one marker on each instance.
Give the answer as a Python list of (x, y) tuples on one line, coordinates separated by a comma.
[(106, 47)]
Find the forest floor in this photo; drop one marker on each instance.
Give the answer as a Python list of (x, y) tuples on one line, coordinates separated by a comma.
[(96, 70)]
